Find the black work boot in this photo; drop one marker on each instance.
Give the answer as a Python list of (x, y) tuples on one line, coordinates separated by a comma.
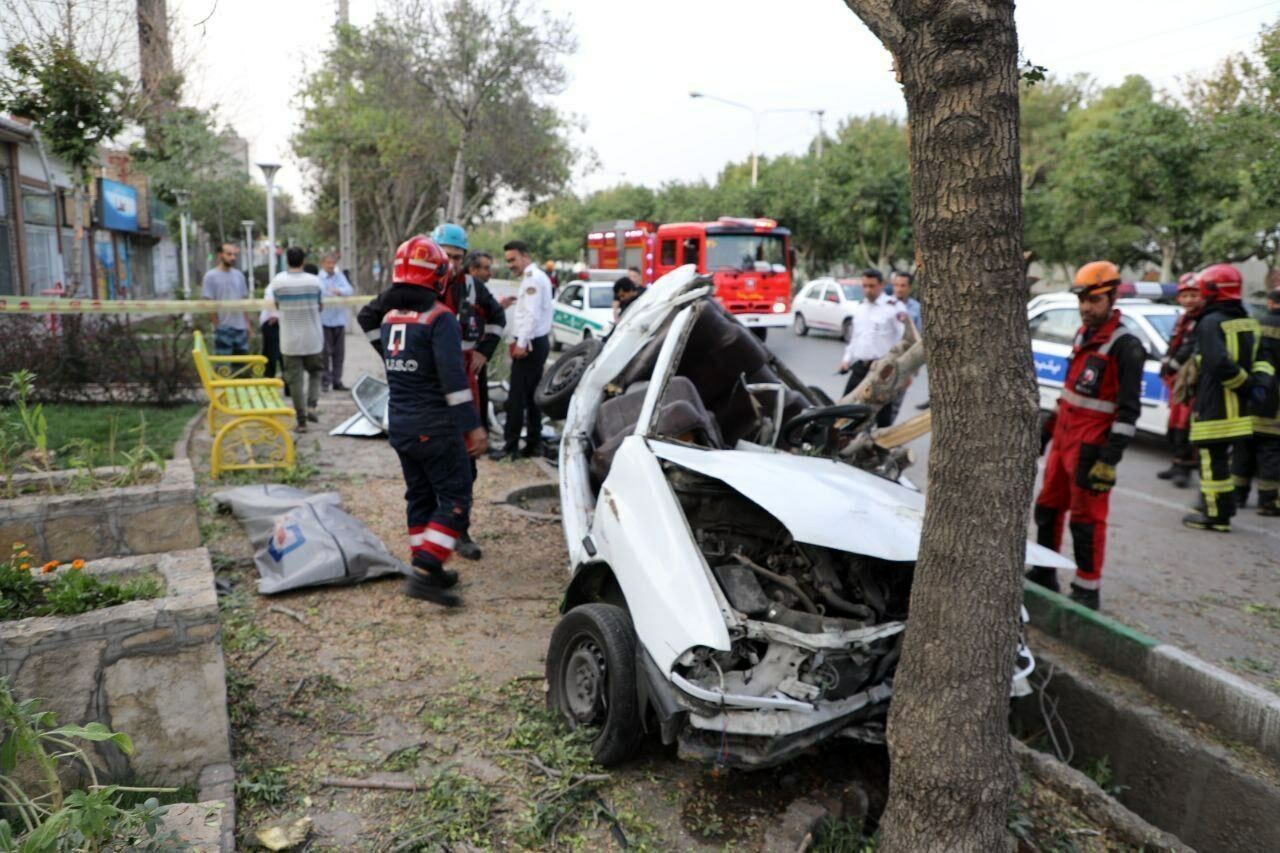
[(1181, 476), (1170, 472), (1219, 522), (435, 574), (467, 548), (1241, 495), (426, 586), (1269, 503), (1044, 576), (1088, 597)]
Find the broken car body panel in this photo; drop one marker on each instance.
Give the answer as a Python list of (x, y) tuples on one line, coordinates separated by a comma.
[(767, 586)]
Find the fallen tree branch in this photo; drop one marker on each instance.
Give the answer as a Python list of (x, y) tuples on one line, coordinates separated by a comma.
[(285, 611), (535, 763), (263, 654)]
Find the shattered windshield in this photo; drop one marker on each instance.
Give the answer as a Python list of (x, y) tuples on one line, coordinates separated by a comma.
[(744, 251)]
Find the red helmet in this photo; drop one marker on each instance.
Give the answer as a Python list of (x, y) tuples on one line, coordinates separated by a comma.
[(1188, 282), (420, 261), (1220, 281)]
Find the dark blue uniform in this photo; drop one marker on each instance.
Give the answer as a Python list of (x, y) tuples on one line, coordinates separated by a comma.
[(430, 409)]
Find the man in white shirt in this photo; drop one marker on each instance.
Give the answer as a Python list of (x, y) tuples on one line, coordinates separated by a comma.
[(299, 300), (879, 322), (333, 321), (530, 327)]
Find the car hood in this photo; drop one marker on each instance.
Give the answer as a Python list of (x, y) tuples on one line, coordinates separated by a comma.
[(826, 503)]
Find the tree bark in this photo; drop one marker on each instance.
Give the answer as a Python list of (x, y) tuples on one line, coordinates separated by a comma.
[(155, 59), (458, 181), (952, 771)]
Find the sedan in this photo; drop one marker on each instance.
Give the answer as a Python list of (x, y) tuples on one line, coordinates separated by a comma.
[(826, 304), (1055, 318)]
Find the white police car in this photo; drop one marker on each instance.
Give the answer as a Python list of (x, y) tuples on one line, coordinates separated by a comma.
[(583, 309), (1055, 318)]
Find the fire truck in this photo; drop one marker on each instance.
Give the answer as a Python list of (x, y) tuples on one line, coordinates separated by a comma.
[(750, 260)]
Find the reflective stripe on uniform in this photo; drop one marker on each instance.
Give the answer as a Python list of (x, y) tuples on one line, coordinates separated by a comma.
[(1124, 429), (1090, 403), (1085, 583), (1119, 333), (374, 334), (494, 329), (1264, 367), (1266, 426), (457, 398), (1215, 430), (1235, 381), (468, 345)]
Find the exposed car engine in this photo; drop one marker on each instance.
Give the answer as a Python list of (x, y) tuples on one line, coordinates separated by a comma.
[(769, 578)]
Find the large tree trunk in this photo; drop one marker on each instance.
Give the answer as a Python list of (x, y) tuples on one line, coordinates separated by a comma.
[(952, 772)]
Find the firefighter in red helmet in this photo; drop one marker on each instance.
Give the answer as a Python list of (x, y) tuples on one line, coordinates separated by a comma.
[(1232, 380), (1175, 373), (431, 420), (1088, 432)]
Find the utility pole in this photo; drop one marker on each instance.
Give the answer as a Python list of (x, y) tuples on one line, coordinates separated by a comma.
[(820, 114), (346, 212)]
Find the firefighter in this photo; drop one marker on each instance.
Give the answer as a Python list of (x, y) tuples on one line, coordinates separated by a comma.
[(482, 321), (1093, 424), (1266, 419), (431, 417), (1179, 355), (1226, 352)]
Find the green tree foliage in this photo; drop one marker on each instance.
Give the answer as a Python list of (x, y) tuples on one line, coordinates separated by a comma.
[(412, 109)]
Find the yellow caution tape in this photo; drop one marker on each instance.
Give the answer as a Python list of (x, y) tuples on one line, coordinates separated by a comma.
[(65, 305)]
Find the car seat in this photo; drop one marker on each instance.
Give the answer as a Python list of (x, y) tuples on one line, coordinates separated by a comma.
[(681, 415)]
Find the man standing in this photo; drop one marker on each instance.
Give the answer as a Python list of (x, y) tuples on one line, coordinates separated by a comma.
[(878, 323), (1095, 420), (431, 417), (299, 301), (334, 322), (1226, 349), (529, 347), (224, 283), (481, 321), (1266, 421), (903, 284), (1182, 347)]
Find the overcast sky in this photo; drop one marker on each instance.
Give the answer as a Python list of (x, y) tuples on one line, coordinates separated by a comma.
[(637, 62)]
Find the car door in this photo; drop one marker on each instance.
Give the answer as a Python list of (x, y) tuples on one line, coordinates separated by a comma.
[(806, 304), (1154, 417), (1053, 330), (566, 319)]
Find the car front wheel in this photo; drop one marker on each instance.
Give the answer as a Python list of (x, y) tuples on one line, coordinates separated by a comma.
[(799, 326), (591, 673)]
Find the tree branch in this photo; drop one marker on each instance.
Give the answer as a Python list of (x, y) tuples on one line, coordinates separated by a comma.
[(881, 20)]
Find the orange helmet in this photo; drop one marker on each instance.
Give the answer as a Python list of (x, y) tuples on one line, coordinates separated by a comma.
[(1096, 277), (420, 261), (1187, 282), (1220, 281)]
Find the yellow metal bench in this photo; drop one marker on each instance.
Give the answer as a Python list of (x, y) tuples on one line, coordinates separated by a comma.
[(247, 415)]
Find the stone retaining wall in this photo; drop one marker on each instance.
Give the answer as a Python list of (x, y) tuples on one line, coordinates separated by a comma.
[(112, 522), (151, 669)]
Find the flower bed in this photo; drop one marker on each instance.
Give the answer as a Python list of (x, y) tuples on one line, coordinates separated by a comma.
[(116, 521), (152, 668), (64, 589)]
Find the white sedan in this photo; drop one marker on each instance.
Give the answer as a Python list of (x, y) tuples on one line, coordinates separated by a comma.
[(1055, 318), (736, 586), (826, 304), (584, 309)]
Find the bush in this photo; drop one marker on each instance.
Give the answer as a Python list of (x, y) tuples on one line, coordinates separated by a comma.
[(69, 593), (106, 359)]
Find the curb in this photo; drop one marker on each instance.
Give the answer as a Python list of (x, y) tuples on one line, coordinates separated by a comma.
[(1238, 708)]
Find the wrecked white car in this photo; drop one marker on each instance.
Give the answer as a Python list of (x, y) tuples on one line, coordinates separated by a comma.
[(734, 586)]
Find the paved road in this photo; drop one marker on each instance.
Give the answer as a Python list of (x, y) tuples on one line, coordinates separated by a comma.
[(1215, 595)]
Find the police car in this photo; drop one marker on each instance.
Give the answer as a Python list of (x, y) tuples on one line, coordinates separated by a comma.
[(584, 309), (1055, 318)]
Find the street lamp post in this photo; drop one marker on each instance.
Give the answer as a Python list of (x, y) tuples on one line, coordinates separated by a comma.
[(182, 196), (269, 172), (755, 120), (247, 224)]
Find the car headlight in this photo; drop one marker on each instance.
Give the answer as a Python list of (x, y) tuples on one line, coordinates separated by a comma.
[(779, 307)]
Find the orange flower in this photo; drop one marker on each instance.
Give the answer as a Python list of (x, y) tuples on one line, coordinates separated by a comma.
[(22, 567), (77, 564), (24, 553), (50, 566)]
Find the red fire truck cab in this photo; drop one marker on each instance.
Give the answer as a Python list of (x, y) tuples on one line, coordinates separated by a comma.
[(749, 260)]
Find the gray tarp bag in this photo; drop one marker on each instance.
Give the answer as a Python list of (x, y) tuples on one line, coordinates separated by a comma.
[(302, 539)]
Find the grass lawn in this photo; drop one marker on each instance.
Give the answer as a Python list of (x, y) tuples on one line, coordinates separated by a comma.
[(69, 422)]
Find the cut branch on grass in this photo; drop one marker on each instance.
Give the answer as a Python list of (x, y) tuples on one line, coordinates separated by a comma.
[(368, 784), (263, 654)]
